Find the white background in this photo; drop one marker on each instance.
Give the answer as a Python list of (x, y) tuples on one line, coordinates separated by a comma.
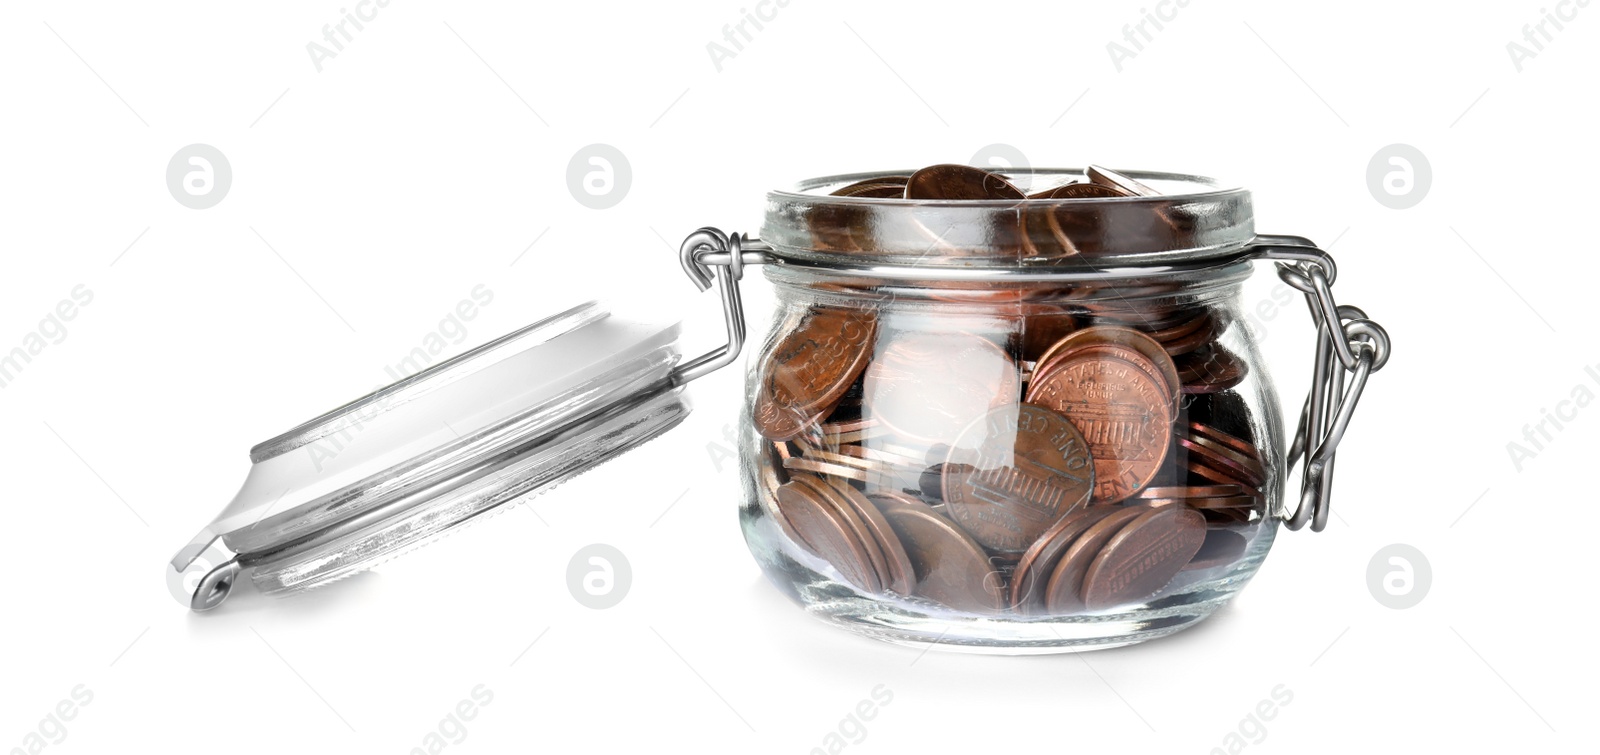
[(427, 156)]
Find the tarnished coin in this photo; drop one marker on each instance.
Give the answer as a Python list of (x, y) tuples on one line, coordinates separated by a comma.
[(1014, 473), (845, 513), (822, 532), (885, 187), (1034, 568), (950, 567), (930, 386), (810, 369), (950, 181), (1113, 179), (1121, 410), (1210, 370), (898, 576), (1143, 557), (1064, 591)]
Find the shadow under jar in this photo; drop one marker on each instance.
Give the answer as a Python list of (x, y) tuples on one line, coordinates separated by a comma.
[(1023, 425)]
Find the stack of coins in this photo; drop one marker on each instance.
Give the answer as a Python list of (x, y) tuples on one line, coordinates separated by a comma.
[(1051, 467)]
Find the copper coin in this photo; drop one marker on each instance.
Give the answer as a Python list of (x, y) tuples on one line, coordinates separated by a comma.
[(1126, 337), (1025, 468), (1122, 411), (885, 499), (822, 532), (1217, 457), (930, 386), (1207, 504), (1063, 594), (810, 368), (1183, 492), (899, 577), (1143, 557), (1199, 468), (884, 187), (950, 567), (1113, 179), (1078, 190), (1238, 444), (1249, 461), (1181, 329), (1222, 547), (1191, 341), (1211, 370), (845, 513), (950, 181), (1093, 350), (1034, 568)]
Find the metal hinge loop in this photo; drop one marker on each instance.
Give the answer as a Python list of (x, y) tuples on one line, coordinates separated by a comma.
[(702, 251)]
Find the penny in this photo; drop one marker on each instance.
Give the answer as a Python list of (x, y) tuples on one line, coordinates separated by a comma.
[(900, 575), (929, 386), (1211, 370), (1123, 412), (1116, 351), (1208, 504), (1064, 592), (1181, 329), (950, 181), (1211, 433), (1034, 568), (949, 567), (845, 513), (1200, 469), (884, 499), (1249, 463), (1113, 179), (802, 464), (1221, 548), (1219, 458), (1193, 491), (1148, 347), (1078, 190), (823, 533), (886, 187), (1143, 557), (1191, 341), (810, 368), (1025, 468)]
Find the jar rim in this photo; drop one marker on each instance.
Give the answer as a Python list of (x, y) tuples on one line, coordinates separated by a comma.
[(1193, 219)]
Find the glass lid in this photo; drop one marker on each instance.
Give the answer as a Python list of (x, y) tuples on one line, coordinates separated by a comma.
[(405, 464)]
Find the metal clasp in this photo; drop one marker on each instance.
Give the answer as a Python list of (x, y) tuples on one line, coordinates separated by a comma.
[(710, 248), (1360, 346)]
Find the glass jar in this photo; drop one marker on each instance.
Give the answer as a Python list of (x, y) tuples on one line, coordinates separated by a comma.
[(1022, 426), (1005, 424)]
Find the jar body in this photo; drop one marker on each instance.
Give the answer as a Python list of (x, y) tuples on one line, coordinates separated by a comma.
[(1010, 467)]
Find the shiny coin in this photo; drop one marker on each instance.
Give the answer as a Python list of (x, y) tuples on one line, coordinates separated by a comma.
[(950, 567), (1198, 468), (822, 532), (1208, 504), (1122, 411), (1129, 338), (930, 386), (1143, 557), (1014, 473), (1064, 591), (959, 182), (1208, 432), (1184, 492), (810, 369), (802, 464), (1113, 179), (846, 514)]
